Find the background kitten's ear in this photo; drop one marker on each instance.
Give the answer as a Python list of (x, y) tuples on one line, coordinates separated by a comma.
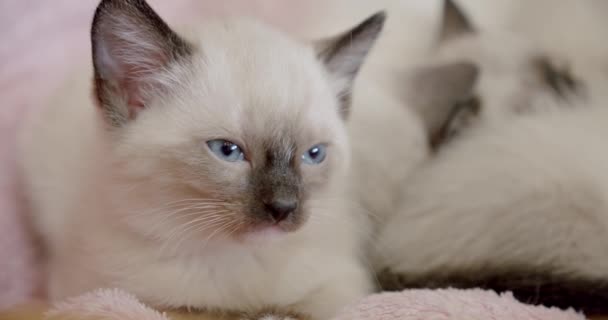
[(436, 92), (132, 46), (461, 116), (343, 55), (454, 23)]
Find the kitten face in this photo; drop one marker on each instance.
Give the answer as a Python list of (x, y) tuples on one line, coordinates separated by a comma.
[(236, 130), (272, 131), (476, 75), (512, 72)]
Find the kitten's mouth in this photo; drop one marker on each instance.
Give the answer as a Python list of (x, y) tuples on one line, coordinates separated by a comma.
[(263, 231), (279, 227), (266, 232)]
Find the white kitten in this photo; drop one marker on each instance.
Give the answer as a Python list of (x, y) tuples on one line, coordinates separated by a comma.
[(491, 75), (515, 196), (518, 206), (209, 172)]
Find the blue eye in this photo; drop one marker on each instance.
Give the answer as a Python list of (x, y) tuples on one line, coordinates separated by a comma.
[(226, 150), (315, 155)]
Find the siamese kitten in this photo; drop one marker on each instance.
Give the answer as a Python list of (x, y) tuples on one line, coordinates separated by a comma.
[(206, 171), (493, 75), (515, 197)]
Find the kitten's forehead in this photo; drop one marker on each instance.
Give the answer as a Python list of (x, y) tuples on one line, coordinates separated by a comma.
[(255, 81), (252, 58)]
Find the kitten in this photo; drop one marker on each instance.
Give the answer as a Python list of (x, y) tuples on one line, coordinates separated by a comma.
[(207, 172), (473, 76), (515, 196)]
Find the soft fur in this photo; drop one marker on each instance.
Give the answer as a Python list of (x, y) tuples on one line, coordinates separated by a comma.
[(508, 73), (514, 197), (521, 200), (125, 192), (382, 132)]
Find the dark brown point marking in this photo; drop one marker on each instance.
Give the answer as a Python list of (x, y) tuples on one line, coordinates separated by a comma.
[(560, 80), (344, 54), (276, 188), (370, 28), (461, 117), (123, 79), (454, 22)]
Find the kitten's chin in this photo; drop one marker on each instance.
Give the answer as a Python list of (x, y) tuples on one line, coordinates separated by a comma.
[(266, 233)]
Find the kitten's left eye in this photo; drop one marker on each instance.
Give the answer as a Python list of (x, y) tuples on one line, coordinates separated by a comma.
[(226, 150), (315, 155)]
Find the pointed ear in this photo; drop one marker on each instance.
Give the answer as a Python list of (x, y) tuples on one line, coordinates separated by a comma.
[(343, 55), (437, 92), (132, 47), (454, 23), (461, 116)]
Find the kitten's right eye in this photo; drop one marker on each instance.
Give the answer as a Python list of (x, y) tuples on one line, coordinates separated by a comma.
[(226, 150)]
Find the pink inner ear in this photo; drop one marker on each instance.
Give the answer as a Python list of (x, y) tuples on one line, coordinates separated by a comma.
[(131, 89), (135, 106), (134, 64), (139, 76)]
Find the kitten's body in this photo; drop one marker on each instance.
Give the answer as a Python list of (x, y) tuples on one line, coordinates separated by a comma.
[(514, 196), (382, 131), (107, 191), (511, 206)]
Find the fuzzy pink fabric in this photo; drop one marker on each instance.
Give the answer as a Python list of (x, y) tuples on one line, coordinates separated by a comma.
[(104, 305), (450, 304)]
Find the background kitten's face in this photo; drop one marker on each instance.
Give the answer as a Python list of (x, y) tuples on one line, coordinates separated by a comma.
[(240, 132), (493, 76), (512, 71)]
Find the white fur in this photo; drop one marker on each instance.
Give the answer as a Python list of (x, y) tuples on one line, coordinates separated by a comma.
[(509, 82), (87, 211), (388, 143), (530, 192), (526, 184)]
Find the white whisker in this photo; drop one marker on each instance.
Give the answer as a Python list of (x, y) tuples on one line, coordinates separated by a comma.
[(209, 217)]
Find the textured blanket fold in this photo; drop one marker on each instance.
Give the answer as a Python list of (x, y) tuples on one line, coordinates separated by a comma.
[(449, 304)]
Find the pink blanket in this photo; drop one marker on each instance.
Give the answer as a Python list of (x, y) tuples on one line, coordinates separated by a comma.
[(448, 304)]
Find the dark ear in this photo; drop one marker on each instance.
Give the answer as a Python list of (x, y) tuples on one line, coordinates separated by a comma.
[(132, 46), (461, 116), (343, 55), (454, 23), (437, 94)]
